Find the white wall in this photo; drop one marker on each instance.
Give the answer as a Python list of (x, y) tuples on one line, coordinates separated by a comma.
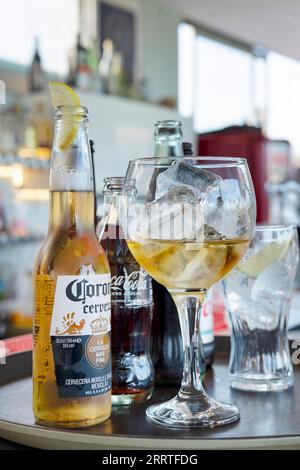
[(122, 129), (159, 30), (156, 42)]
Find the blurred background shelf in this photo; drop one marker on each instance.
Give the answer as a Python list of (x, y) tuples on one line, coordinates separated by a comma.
[(220, 68), (28, 162), (6, 240)]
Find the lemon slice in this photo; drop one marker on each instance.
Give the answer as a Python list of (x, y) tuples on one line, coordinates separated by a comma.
[(254, 265), (63, 95)]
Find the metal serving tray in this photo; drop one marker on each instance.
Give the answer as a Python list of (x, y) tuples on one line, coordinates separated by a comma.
[(268, 420)]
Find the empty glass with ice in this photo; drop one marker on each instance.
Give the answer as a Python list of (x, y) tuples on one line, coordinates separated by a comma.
[(188, 222), (258, 295)]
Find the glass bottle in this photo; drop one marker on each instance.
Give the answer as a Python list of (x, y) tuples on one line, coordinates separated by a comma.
[(71, 353), (36, 76), (131, 307), (207, 319), (168, 139), (167, 352)]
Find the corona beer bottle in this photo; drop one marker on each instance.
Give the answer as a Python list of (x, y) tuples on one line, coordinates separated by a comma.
[(71, 353)]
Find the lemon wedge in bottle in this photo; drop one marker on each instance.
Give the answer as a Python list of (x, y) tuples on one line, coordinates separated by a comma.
[(63, 95)]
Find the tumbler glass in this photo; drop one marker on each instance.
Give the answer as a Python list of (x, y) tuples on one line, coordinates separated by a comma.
[(258, 296)]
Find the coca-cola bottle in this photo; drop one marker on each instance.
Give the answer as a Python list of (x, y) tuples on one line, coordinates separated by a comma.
[(166, 344), (131, 307)]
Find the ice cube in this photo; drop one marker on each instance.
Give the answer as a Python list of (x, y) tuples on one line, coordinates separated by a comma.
[(172, 262), (192, 265), (257, 317), (238, 297), (243, 310), (270, 292), (257, 304), (226, 208), (152, 249), (204, 265), (273, 284), (177, 215), (184, 175), (179, 194), (212, 234), (239, 284), (248, 314)]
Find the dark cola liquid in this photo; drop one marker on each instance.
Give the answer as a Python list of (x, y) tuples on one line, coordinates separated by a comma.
[(166, 342), (132, 367), (131, 319)]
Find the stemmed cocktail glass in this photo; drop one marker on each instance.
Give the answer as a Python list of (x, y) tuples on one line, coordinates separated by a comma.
[(188, 222)]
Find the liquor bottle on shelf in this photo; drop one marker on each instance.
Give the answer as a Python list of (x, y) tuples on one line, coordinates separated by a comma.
[(93, 59), (83, 78), (71, 353), (42, 125), (105, 63), (81, 52), (131, 308), (36, 75), (116, 75), (167, 351)]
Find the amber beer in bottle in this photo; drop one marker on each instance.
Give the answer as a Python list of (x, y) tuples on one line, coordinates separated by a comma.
[(71, 353)]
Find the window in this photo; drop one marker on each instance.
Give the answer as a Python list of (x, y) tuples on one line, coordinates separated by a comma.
[(283, 100), (54, 22), (223, 85), (219, 83), (186, 64)]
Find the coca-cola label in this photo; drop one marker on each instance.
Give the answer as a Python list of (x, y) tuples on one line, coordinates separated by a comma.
[(132, 287)]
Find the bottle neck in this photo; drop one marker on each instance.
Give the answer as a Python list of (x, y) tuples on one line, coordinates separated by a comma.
[(36, 54), (71, 180), (72, 211), (168, 149), (112, 201), (168, 139)]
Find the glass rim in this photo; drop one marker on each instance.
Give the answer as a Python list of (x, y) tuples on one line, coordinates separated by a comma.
[(70, 111), (113, 184), (215, 161), (168, 123), (274, 227)]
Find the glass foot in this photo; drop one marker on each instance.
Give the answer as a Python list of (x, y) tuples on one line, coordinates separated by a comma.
[(191, 412), (256, 383)]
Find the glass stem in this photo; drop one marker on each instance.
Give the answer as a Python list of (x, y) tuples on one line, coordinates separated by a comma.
[(189, 306)]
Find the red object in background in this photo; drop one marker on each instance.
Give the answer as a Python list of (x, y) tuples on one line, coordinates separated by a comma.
[(221, 326), (17, 344), (247, 142)]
